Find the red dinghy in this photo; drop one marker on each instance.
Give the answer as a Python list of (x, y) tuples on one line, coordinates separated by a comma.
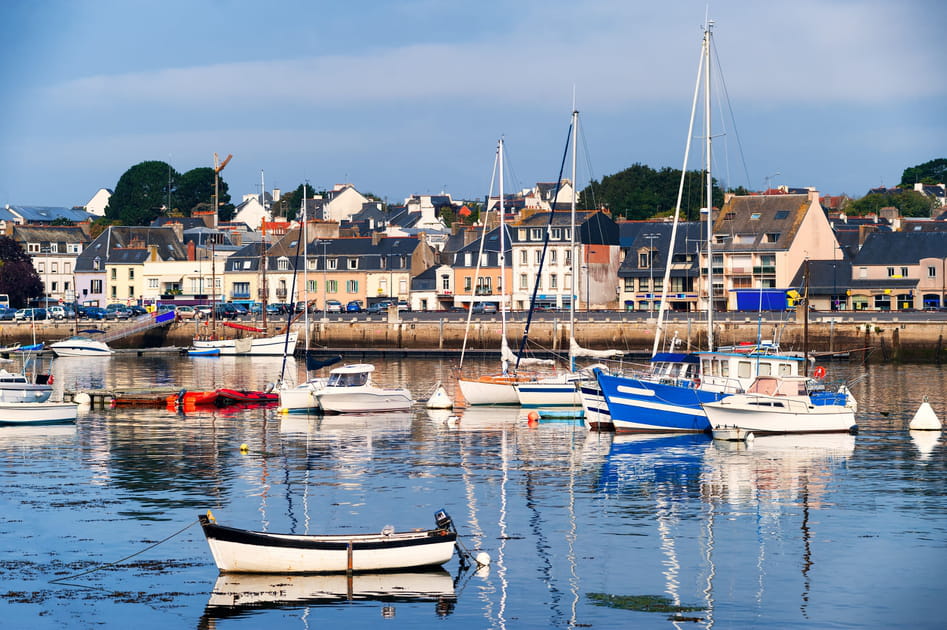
[(187, 398), (235, 396)]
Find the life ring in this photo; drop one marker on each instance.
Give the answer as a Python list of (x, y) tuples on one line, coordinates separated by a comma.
[(696, 383), (819, 372)]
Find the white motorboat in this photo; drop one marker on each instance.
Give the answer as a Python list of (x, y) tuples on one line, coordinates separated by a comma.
[(18, 388), (26, 413), (775, 404), (350, 390), (303, 397), (79, 346)]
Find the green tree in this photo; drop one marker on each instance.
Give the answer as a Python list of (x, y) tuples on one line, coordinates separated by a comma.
[(933, 172), (909, 203), (290, 203), (18, 278), (142, 193), (640, 192), (194, 190)]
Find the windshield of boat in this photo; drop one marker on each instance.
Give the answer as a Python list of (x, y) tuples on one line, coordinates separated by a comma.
[(351, 379)]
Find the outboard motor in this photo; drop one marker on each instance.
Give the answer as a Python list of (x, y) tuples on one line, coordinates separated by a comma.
[(443, 520)]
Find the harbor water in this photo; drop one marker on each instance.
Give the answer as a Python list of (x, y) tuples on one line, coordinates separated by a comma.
[(584, 530)]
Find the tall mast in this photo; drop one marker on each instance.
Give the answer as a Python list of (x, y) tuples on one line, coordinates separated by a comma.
[(305, 265), (710, 191), (213, 285), (572, 253), (503, 343), (263, 248)]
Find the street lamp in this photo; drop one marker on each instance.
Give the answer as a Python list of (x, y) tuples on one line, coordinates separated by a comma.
[(651, 238), (46, 292)]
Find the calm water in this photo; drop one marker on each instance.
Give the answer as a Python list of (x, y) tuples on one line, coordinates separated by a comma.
[(821, 532)]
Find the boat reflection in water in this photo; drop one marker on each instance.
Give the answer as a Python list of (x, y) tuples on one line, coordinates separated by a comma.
[(240, 594), (479, 418), (31, 436)]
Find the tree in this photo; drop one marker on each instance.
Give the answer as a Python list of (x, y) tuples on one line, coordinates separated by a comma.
[(933, 172), (640, 192), (18, 278), (194, 190), (143, 192), (290, 203), (909, 203)]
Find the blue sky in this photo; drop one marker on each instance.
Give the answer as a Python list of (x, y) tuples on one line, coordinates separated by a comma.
[(403, 97)]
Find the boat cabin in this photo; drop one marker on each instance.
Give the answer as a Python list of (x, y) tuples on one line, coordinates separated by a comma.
[(356, 375)]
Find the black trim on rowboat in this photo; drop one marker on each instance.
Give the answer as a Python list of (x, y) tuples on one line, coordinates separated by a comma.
[(340, 542)]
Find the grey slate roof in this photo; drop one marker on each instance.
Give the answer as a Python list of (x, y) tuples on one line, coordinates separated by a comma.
[(755, 216), (690, 235), (901, 248), (114, 245), (47, 214)]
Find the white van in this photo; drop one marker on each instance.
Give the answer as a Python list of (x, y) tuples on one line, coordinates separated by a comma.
[(56, 312)]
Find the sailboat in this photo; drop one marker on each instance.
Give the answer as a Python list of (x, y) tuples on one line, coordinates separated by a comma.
[(561, 390), (494, 389), (670, 394), (257, 344)]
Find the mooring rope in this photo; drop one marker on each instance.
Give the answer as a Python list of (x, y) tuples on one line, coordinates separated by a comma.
[(109, 564)]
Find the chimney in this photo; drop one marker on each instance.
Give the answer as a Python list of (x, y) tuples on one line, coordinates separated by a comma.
[(376, 238), (276, 194), (191, 251), (178, 230)]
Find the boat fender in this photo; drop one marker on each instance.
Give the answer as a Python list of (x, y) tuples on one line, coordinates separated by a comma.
[(387, 530), (696, 383), (269, 387), (49, 381), (210, 517)]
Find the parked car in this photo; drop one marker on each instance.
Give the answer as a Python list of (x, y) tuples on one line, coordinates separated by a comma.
[(378, 307), (403, 305), (93, 312), (29, 314), (187, 312), (204, 309), (138, 311), (56, 312), (355, 306), (333, 306), (484, 307), (6, 314), (225, 310), (117, 311), (277, 308)]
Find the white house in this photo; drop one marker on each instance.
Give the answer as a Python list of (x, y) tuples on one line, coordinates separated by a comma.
[(99, 201), (342, 202)]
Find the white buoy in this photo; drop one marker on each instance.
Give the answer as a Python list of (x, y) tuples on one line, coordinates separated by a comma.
[(482, 559), (439, 399), (82, 398), (924, 418)]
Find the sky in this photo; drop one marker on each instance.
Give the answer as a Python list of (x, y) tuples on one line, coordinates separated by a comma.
[(410, 97)]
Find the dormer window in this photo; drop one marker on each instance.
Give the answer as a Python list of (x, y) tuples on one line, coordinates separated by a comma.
[(282, 263), (771, 237), (96, 263), (353, 263), (333, 263)]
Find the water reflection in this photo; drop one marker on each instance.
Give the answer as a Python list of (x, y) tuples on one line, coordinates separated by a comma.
[(244, 595)]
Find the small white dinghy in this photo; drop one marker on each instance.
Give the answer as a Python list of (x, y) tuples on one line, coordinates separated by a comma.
[(245, 551), (29, 413)]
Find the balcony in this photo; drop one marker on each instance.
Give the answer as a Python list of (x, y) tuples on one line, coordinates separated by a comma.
[(240, 295), (281, 294), (484, 291)]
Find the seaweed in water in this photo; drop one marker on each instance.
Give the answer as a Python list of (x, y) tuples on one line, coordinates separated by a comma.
[(641, 603)]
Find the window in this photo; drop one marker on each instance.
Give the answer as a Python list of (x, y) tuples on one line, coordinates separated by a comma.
[(643, 260), (904, 272), (629, 284), (114, 291), (567, 282), (353, 263), (863, 272), (96, 264), (567, 234), (114, 274), (96, 286), (54, 248), (41, 268), (67, 267), (131, 273), (554, 281), (403, 287), (932, 272), (241, 289), (557, 234), (313, 286), (246, 264), (553, 256), (771, 237), (32, 248), (782, 214), (351, 286), (521, 234), (153, 283), (445, 283), (332, 286), (131, 292), (282, 263), (312, 263), (744, 369), (467, 284), (54, 287), (890, 272), (524, 281), (537, 256), (536, 234), (644, 284), (524, 256), (755, 216), (72, 248), (568, 256), (333, 263)]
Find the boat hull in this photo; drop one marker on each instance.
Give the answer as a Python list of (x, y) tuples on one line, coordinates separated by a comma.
[(254, 346), (489, 390), (763, 415), (14, 414), (244, 551), (301, 398), (368, 400), (24, 392), (597, 417), (546, 393), (638, 405)]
